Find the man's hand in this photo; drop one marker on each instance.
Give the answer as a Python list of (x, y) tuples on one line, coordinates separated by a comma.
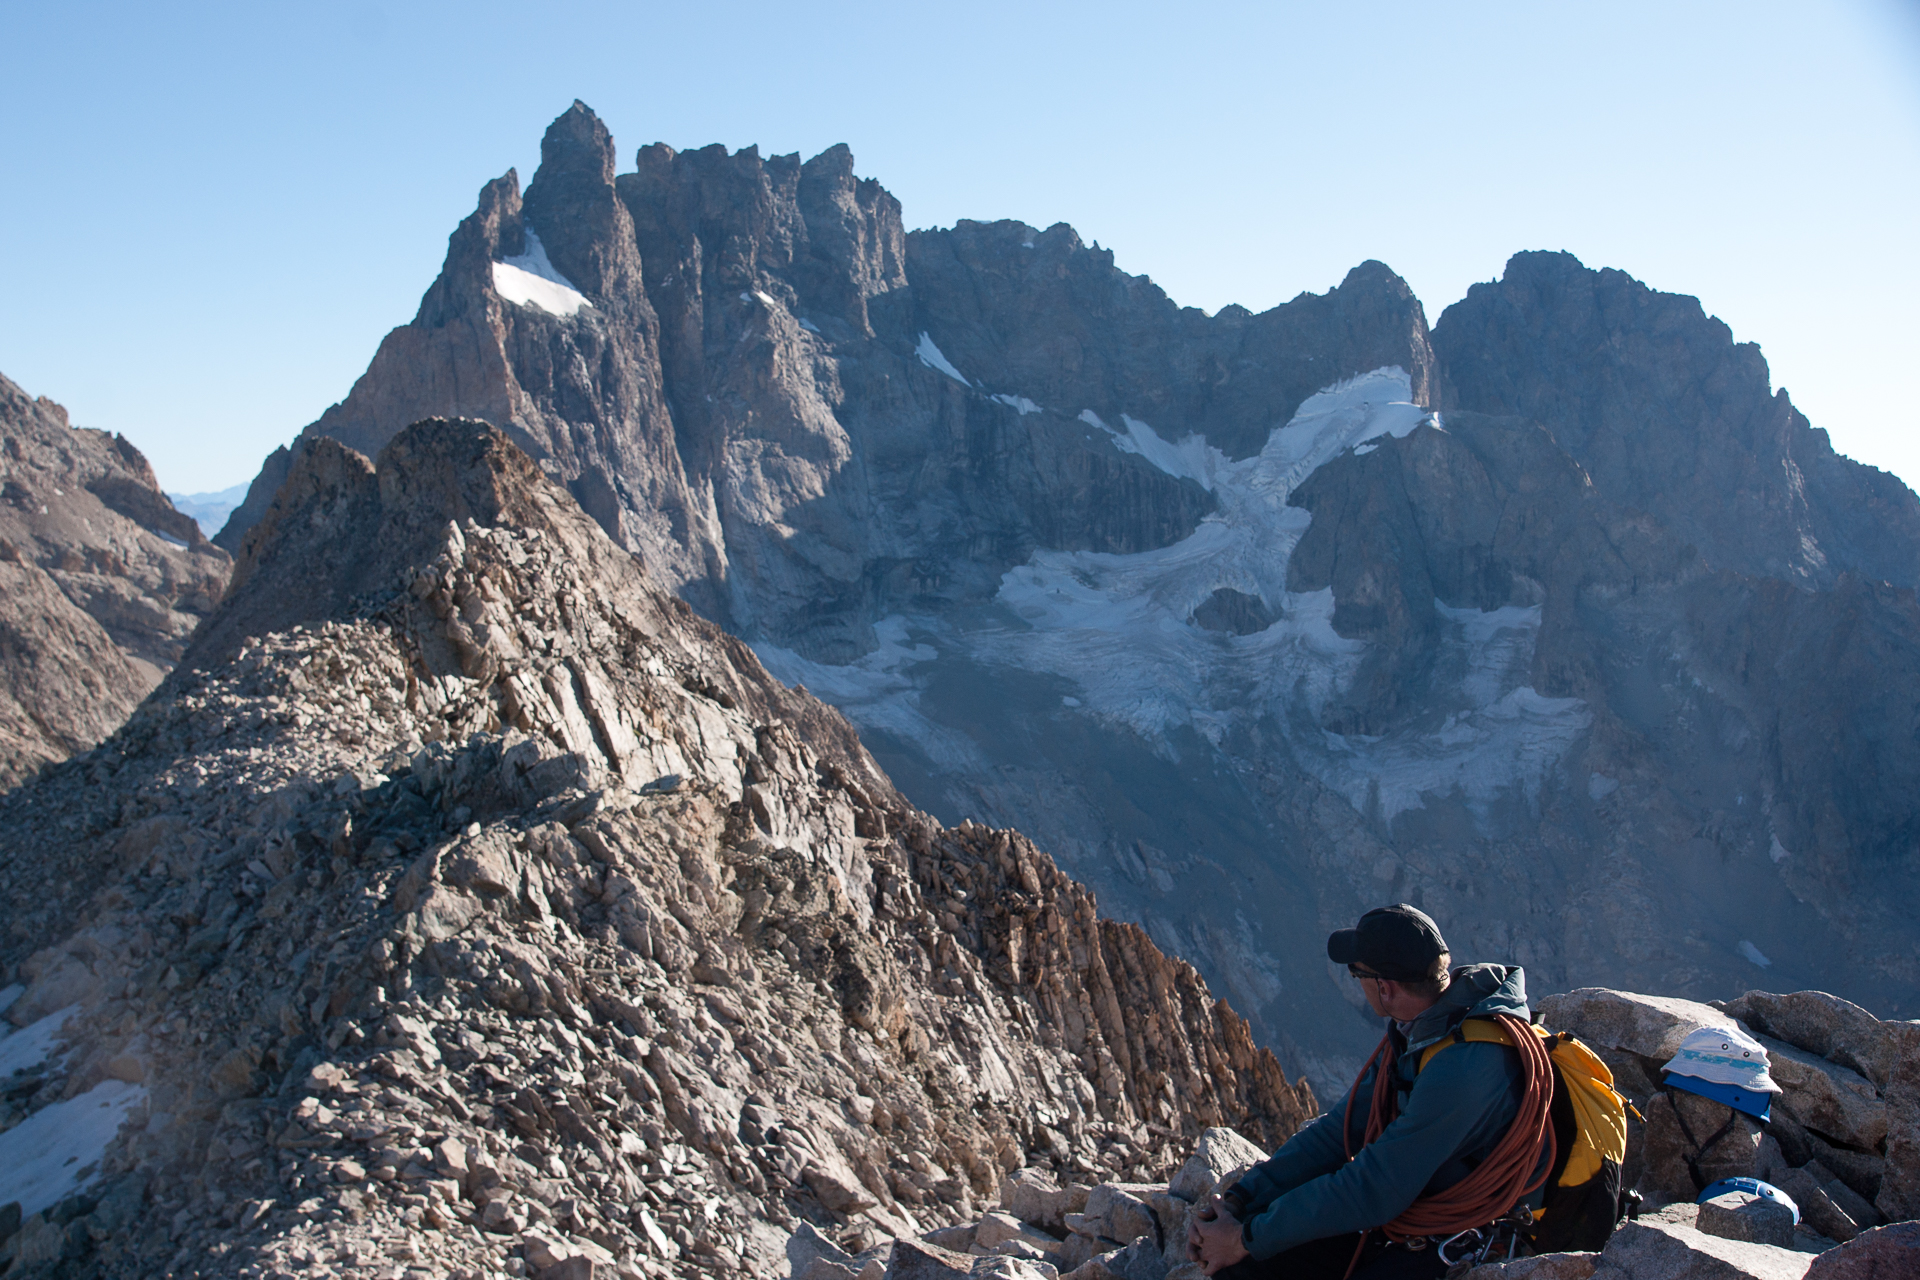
[(1214, 1239)]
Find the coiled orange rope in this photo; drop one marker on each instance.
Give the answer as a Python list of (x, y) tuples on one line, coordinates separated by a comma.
[(1501, 1180)]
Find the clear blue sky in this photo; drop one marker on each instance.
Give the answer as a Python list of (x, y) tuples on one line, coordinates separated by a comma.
[(214, 211)]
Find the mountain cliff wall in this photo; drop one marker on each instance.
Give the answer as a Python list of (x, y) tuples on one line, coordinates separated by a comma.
[(1558, 621), (103, 583)]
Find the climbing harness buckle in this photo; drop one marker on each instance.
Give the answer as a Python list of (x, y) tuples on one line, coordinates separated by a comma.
[(1476, 1250), (1449, 1242)]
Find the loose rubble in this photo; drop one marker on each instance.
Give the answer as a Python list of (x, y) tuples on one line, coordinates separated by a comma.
[(462, 906), (1042, 1229)]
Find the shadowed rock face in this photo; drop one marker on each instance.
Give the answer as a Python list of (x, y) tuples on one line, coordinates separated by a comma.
[(101, 581), (457, 850), (1215, 608), (1669, 415), (1040, 312)]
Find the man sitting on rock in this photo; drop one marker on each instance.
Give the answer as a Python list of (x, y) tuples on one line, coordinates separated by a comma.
[(1315, 1211)]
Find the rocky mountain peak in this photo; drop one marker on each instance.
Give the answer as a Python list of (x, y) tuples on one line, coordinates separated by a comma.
[(492, 232), (51, 410), (1043, 312), (578, 144), (832, 168), (734, 218), (1314, 602), (854, 235), (341, 526)]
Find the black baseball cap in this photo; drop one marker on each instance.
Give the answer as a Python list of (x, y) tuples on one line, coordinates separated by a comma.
[(1397, 942)]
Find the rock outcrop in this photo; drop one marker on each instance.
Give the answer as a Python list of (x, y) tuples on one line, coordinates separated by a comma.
[(1592, 663), (102, 582), (463, 903), (1841, 1140)]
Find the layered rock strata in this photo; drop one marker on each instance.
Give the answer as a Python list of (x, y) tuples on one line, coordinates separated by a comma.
[(101, 583), (464, 904)]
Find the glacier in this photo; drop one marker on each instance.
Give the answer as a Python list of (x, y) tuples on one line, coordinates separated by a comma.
[(1117, 630)]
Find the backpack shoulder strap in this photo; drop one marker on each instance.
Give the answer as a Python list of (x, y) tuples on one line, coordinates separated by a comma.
[(1470, 1030)]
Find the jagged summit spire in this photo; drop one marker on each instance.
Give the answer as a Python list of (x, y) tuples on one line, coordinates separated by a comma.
[(836, 159), (577, 142)]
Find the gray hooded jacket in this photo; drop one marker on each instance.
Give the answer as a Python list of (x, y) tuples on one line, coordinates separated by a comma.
[(1452, 1115)]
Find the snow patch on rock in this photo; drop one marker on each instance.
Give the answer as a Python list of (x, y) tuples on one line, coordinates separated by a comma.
[(877, 693), (530, 280), (33, 1044), (930, 356), (56, 1150), (1117, 625)]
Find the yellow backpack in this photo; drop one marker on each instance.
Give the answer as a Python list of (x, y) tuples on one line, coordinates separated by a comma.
[(1589, 1118)]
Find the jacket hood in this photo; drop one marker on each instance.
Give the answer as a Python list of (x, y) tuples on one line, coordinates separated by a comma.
[(1477, 991)]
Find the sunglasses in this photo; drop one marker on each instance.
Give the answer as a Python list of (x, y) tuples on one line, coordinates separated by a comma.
[(1358, 972)]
